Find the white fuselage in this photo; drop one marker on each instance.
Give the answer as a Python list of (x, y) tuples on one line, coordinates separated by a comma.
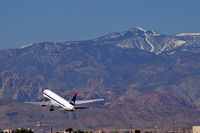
[(58, 101)]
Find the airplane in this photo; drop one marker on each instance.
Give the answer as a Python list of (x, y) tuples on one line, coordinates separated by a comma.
[(54, 100)]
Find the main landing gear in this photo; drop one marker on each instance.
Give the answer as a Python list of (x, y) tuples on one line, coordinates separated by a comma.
[(51, 109)]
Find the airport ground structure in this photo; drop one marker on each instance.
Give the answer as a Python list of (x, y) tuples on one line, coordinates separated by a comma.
[(194, 129)]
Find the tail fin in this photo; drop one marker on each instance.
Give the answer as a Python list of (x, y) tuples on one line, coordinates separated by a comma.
[(73, 100)]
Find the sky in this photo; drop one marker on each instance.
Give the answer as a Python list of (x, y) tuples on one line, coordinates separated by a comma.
[(31, 21)]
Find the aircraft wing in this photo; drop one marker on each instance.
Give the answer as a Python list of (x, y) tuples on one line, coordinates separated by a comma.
[(43, 103), (88, 101)]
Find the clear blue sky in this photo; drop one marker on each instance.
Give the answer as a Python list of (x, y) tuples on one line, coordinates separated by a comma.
[(29, 21)]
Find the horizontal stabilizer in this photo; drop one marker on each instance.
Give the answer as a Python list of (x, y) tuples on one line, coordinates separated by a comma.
[(88, 101)]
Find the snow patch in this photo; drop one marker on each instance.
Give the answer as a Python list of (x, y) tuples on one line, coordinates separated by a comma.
[(110, 36), (25, 46), (172, 53), (155, 34), (146, 38), (122, 33), (124, 46), (164, 47), (188, 34), (139, 28), (152, 47), (179, 43)]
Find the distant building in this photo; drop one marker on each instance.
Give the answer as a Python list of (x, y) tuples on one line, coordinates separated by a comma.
[(7, 131), (196, 129)]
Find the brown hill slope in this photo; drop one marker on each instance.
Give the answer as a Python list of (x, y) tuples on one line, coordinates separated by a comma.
[(16, 114), (121, 68)]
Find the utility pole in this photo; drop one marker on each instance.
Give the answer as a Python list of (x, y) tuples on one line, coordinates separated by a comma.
[(173, 125), (51, 129), (131, 124), (119, 128)]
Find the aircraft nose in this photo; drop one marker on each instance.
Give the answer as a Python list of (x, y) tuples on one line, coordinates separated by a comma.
[(73, 109)]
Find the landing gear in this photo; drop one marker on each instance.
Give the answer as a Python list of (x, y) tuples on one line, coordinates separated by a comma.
[(51, 109)]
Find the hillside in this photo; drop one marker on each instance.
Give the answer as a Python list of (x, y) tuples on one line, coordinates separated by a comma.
[(141, 70)]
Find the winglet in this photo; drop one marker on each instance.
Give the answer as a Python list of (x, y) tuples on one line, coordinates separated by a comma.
[(73, 100)]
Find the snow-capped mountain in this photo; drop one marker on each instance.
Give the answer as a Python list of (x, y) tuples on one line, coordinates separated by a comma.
[(151, 41), (145, 40)]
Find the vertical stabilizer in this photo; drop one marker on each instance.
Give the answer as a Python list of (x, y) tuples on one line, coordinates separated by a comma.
[(73, 100)]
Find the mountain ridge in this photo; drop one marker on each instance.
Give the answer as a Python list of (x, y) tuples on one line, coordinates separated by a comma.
[(135, 68), (143, 39)]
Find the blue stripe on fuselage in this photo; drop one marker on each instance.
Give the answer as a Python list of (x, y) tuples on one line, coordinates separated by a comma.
[(54, 100)]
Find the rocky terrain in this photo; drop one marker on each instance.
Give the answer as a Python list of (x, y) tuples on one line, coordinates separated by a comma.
[(145, 78)]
